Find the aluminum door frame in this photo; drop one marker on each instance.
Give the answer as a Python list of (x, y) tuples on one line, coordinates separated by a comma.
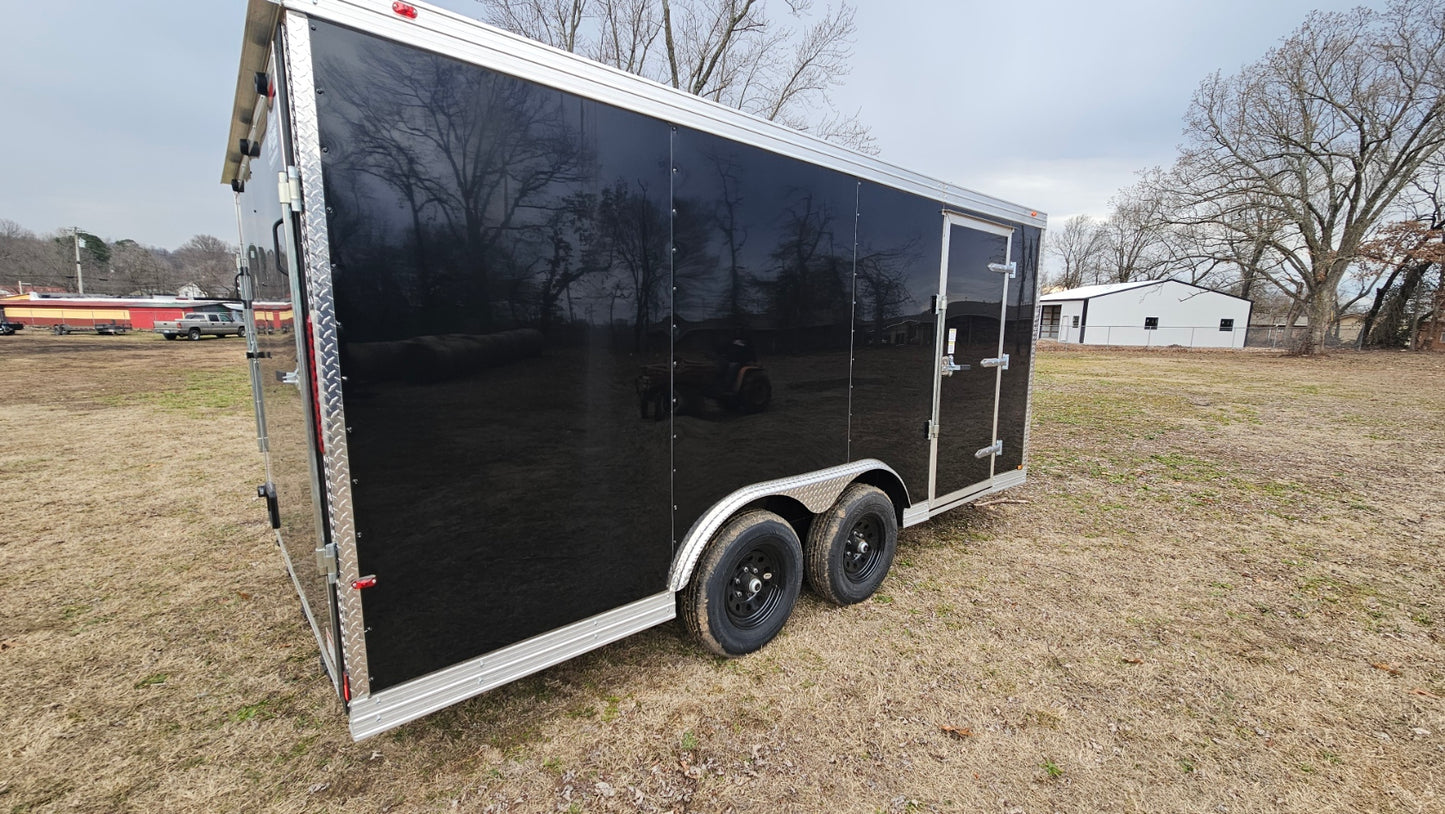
[(950, 219)]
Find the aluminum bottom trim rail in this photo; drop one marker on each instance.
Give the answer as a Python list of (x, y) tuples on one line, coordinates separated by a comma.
[(398, 705), (1008, 480)]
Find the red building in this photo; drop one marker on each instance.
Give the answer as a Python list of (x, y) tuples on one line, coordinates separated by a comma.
[(136, 313)]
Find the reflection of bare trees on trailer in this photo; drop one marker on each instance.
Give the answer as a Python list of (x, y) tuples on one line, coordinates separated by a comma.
[(576, 354)]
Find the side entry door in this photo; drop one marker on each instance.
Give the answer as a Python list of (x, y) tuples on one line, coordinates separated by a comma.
[(279, 353), (973, 289)]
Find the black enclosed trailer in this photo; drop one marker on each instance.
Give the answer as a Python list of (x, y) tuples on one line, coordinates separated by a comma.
[(575, 353)]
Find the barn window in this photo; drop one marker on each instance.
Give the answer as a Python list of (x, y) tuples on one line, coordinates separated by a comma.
[(1226, 325), (1076, 321), (1151, 323)]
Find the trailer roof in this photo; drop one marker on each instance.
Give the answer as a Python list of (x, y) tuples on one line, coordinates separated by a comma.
[(469, 40)]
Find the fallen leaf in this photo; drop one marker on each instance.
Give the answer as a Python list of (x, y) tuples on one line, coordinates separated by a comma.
[(957, 732), (1392, 669), (1132, 661), (1424, 692), (243, 595)]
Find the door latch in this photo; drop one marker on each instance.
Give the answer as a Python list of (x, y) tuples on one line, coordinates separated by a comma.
[(948, 368), (267, 492), (996, 448), (288, 377), (1000, 362), (1010, 268)]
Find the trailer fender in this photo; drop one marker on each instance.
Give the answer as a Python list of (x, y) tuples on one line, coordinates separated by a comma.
[(816, 491)]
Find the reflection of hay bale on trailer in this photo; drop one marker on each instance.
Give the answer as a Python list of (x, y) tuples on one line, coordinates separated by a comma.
[(426, 359)]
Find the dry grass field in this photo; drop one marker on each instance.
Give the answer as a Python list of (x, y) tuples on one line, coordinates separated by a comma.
[(1221, 591)]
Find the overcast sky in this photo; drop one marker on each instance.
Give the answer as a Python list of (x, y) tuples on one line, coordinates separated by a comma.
[(116, 115)]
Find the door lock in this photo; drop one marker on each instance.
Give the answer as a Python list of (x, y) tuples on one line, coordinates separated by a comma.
[(997, 361)]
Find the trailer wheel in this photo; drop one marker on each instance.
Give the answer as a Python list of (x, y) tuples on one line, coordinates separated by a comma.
[(851, 547), (194, 334), (745, 586)]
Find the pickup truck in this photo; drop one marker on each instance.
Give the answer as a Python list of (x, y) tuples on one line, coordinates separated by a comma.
[(196, 325), (7, 327)]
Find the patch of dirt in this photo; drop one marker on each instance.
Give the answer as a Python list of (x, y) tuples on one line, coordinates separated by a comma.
[(1219, 591)]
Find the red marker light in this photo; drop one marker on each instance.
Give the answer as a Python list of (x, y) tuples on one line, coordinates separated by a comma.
[(364, 582), (346, 687), (406, 10)]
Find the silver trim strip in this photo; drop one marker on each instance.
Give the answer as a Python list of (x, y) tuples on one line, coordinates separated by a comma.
[(815, 490), (1008, 480), (397, 705), (913, 515), (326, 349), (463, 38)]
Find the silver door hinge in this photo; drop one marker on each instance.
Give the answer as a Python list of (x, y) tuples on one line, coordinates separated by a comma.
[(996, 448), (288, 188), (997, 361), (1010, 268), (930, 430), (326, 561), (288, 377)]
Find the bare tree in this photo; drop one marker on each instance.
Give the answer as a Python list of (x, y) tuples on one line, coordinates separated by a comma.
[(1079, 248), (729, 51), (1135, 243), (1315, 142), (210, 263), (137, 269), (29, 259)]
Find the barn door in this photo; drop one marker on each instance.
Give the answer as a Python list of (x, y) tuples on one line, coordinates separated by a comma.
[(973, 285)]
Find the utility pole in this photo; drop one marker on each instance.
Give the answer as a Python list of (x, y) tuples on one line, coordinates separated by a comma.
[(79, 280)]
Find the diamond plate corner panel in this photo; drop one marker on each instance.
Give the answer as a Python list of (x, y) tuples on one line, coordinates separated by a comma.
[(326, 349)]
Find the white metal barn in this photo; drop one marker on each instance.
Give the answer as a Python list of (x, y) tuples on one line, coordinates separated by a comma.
[(1145, 313)]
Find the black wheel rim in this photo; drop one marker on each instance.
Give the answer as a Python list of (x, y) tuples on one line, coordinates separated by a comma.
[(863, 550), (755, 587)]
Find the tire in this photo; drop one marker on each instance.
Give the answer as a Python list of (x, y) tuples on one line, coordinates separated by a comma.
[(194, 334), (169, 336), (745, 586), (241, 331), (850, 547)]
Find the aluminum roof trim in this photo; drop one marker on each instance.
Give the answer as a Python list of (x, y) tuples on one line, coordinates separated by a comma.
[(471, 41)]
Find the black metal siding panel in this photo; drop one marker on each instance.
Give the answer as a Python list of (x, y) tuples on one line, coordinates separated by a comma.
[(501, 263)]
